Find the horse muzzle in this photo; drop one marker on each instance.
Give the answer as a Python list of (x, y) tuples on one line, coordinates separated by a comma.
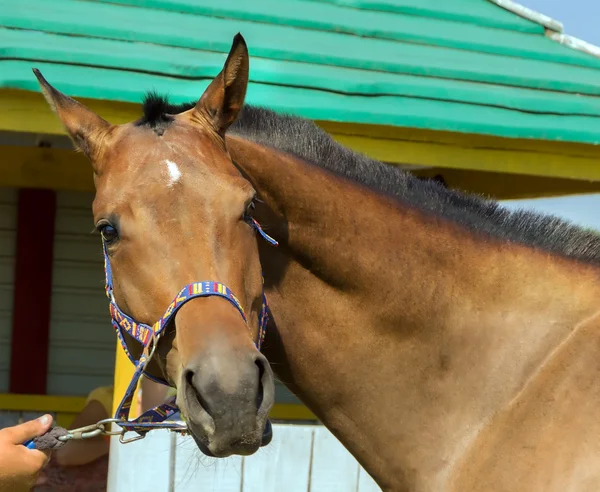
[(226, 402)]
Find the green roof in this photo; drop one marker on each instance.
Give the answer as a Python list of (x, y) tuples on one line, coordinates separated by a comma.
[(457, 65)]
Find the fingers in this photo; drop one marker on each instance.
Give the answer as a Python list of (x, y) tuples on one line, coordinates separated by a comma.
[(31, 463), (37, 459), (18, 434)]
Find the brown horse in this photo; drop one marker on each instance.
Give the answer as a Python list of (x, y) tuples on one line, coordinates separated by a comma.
[(449, 344)]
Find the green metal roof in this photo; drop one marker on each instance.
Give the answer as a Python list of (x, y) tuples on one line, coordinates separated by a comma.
[(457, 65)]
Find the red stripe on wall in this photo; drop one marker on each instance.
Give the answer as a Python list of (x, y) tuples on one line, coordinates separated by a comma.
[(32, 291)]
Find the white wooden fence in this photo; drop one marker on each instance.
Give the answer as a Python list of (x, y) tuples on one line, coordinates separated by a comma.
[(301, 458)]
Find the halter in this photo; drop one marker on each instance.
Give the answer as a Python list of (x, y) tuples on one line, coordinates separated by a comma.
[(148, 337)]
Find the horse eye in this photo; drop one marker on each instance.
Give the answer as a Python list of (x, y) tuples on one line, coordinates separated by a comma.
[(249, 209), (108, 232)]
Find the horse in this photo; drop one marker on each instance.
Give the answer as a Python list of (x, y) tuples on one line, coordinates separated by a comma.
[(448, 343)]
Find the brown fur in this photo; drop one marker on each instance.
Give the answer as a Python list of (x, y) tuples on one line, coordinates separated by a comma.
[(443, 359)]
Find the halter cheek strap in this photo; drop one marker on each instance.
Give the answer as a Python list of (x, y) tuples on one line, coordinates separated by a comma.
[(148, 337)]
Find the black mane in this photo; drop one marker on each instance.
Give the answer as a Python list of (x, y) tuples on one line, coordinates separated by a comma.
[(304, 139)]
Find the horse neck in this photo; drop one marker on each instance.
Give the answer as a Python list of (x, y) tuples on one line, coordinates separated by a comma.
[(384, 314)]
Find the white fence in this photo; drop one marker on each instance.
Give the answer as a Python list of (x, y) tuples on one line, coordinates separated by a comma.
[(301, 458)]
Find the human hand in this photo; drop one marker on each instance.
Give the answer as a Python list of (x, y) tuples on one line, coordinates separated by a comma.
[(19, 466)]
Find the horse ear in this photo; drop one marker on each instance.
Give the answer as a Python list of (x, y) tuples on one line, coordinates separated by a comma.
[(224, 97), (85, 127)]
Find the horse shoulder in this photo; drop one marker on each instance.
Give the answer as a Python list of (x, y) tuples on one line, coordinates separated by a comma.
[(547, 439)]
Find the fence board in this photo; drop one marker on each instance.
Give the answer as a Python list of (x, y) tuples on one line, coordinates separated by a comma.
[(195, 472), (284, 464), (333, 467), (141, 466), (366, 483)]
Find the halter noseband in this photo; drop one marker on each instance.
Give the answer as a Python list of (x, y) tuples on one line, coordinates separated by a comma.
[(148, 337)]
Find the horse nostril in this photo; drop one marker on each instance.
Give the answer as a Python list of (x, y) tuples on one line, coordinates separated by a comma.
[(193, 391), (189, 378), (264, 393)]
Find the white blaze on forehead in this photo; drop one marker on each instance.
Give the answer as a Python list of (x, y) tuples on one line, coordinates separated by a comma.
[(174, 172)]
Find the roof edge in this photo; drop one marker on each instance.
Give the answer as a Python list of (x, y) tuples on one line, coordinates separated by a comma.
[(554, 29), (575, 43), (529, 14)]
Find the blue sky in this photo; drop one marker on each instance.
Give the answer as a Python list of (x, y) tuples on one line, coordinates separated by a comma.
[(581, 18), (583, 210)]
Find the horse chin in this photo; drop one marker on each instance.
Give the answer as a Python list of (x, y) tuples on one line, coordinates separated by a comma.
[(204, 445)]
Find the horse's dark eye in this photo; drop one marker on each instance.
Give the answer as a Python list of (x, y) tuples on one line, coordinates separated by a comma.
[(249, 209), (108, 232)]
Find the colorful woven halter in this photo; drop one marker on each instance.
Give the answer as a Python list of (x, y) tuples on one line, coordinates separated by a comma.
[(148, 337)]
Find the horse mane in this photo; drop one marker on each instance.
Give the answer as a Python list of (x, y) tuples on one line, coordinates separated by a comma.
[(304, 139)]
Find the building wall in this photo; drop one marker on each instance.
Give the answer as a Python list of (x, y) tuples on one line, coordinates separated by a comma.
[(82, 342)]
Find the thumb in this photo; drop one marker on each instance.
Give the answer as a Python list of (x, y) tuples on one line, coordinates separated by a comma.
[(28, 430)]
